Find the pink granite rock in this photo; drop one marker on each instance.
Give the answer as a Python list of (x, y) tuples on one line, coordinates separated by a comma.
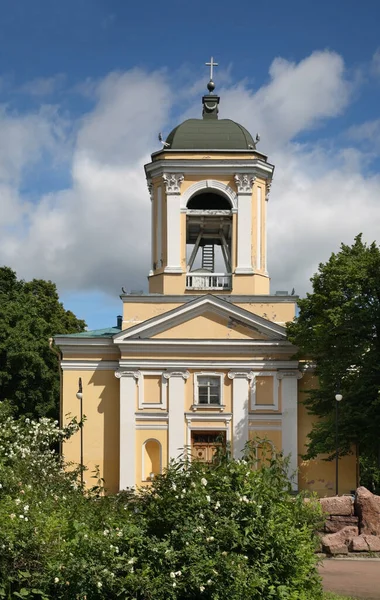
[(337, 543), (365, 543), (367, 507), (336, 523), (337, 505)]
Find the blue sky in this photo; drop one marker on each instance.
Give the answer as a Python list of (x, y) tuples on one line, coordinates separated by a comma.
[(85, 86)]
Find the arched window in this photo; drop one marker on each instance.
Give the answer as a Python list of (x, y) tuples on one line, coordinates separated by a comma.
[(151, 459), (208, 201)]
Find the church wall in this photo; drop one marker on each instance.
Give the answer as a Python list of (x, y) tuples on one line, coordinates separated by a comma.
[(143, 436), (319, 475), (101, 428)]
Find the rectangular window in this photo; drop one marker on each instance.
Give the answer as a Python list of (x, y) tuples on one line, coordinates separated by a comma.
[(209, 389)]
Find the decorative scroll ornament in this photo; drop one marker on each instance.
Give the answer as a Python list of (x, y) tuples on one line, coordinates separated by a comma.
[(135, 374), (269, 183), (172, 182), (241, 375), (286, 374), (150, 188), (168, 374), (244, 183)]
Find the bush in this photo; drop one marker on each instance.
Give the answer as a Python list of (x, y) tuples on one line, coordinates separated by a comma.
[(221, 531)]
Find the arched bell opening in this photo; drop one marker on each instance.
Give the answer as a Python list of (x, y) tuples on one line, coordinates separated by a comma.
[(208, 241)]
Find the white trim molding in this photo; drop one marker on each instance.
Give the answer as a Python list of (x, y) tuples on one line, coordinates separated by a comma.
[(244, 183), (177, 380), (196, 405), (209, 184), (173, 182), (127, 477), (289, 396), (258, 229), (163, 391), (89, 365), (274, 405), (191, 421)]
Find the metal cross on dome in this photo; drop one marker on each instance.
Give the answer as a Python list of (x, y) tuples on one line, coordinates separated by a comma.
[(212, 64)]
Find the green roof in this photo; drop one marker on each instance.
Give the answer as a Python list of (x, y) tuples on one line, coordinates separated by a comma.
[(210, 134), (107, 332)]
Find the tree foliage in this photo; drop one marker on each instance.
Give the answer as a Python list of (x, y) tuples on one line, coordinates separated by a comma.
[(338, 328), (30, 314), (214, 532)]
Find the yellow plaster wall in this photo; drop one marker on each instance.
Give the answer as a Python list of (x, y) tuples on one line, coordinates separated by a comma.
[(319, 475), (101, 429), (209, 326), (264, 390), (142, 435), (274, 436), (152, 389), (137, 312), (279, 312)]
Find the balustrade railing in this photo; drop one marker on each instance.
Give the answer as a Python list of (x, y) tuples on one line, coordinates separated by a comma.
[(209, 281)]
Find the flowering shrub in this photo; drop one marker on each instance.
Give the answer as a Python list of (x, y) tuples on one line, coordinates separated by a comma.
[(221, 531)]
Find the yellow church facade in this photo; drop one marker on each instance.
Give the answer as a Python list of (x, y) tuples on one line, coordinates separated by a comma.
[(201, 359)]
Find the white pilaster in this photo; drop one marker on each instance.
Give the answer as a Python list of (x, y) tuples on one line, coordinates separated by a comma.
[(173, 221), (289, 395), (244, 185), (159, 229), (176, 412), (128, 380), (240, 407), (258, 232)]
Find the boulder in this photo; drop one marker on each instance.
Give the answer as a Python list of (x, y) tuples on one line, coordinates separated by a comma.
[(365, 543), (367, 507), (337, 543), (336, 523), (337, 505)]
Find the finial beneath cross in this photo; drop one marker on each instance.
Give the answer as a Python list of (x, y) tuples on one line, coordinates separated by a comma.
[(211, 64)]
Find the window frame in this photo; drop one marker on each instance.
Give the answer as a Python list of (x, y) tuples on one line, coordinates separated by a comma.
[(200, 405)]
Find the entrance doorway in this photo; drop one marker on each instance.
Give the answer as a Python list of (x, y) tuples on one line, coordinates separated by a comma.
[(205, 443)]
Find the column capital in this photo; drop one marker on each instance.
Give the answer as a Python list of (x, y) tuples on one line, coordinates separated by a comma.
[(244, 182), (150, 187), (183, 374), (173, 182), (249, 375), (135, 374), (268, 186), (289, 374)]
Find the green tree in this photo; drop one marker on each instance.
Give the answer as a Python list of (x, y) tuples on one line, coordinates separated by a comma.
[(338, 328), (30, 314)]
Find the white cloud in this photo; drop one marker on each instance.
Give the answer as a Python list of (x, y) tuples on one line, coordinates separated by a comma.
[(375, 66), (43, 86), (96, 234)]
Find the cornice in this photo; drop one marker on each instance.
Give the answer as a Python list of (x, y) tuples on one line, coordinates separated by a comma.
[(179, 364), (255, 167), (182, 298)]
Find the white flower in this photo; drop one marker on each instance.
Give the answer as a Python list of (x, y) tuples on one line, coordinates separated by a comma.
[(17, 501), (105, 532), (26, 507), (202, 589), (217, 505), (208, 498), (131, 561), (12, 516), (1, 485), (21, 516), (174, 584), (172, 575), (209, 581), (174, 487), (99, 584), (56, 580), (210, 539), (204, 481), (26, 518), (178, 573), (193, 484), (85, 536), (224, 553)]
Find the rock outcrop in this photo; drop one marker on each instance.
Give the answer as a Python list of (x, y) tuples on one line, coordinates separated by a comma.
[(337, 543), (365, 543), (338, 505), (367, 508)]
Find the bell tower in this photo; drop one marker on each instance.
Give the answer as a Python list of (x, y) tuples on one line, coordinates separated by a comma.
[(209, 188)]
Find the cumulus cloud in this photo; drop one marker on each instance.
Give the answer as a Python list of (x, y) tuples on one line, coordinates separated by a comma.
[(95, 235)]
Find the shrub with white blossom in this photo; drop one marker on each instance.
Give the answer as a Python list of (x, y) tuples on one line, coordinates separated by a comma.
[(215, 532)]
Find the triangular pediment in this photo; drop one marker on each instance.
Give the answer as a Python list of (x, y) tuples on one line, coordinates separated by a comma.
[(207, 317)]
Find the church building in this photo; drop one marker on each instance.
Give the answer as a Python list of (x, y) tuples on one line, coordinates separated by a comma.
[(202, 359)]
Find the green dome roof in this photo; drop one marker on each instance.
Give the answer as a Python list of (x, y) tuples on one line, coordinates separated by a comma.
[(210, 134)]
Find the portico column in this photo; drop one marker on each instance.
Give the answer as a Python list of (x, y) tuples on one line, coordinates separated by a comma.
[(176, 412), (244, 185), (128, 381), (240, 408), (173, 221), (289, 396)]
